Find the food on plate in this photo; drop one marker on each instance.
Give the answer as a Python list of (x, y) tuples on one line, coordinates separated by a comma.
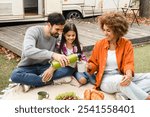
[(67, 96)]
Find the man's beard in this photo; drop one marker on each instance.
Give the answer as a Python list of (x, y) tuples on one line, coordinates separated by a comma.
[(56, 35)]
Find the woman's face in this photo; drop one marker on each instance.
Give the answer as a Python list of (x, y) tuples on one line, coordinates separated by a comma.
[(70, 36), (108, 33)]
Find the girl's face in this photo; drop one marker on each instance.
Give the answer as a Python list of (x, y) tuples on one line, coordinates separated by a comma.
[(70, 36), (108, 33)]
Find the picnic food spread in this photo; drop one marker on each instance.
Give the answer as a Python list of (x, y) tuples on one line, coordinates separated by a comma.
[(89, 94)]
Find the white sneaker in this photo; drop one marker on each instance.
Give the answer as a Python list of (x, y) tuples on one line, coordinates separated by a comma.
[(64, 80), (120, 96), (26, 88)]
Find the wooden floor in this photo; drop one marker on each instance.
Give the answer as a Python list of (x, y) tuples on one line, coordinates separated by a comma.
[(12, 37)]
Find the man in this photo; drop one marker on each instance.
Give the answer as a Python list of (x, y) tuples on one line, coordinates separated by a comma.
[(38, 49)]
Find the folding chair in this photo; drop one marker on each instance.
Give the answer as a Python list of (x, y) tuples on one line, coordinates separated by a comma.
[(134, 11)]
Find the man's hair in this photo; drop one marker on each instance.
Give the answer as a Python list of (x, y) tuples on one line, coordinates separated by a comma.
[(56, 18)]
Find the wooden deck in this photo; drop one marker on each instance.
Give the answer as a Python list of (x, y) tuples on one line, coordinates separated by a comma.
[(12, 37)]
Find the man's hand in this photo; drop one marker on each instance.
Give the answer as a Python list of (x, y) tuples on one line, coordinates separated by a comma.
[(48, 74), (62, 59)]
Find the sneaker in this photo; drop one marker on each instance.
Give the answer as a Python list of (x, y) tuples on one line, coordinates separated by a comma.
[(64, 80), (26, 88), (120, 96)]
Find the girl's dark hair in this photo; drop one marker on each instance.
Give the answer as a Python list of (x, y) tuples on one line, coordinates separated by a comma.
[(56, 18), (70, 27)]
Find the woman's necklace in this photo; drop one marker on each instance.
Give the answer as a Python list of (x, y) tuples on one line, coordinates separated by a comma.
[(112, 45)]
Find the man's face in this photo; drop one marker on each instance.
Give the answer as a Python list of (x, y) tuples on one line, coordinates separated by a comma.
[(56, 30)]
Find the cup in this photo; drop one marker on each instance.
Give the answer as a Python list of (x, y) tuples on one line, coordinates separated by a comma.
[(42, 95), (81, 66)]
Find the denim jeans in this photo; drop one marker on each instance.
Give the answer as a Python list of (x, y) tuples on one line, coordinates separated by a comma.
[(30, 75), (90, 78)]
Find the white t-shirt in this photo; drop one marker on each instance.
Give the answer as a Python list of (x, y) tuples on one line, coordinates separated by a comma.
[(69, 51), (111, 63)]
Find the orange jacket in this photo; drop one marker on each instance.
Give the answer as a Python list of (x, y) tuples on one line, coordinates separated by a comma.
[(124, 56)]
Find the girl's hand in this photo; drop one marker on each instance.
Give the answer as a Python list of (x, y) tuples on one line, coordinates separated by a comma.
[(48, 74), (126, 80)]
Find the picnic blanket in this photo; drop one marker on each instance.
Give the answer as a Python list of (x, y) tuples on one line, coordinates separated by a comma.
[(16, 92)]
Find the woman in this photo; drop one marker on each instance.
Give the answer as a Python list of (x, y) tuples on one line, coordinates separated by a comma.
[(113, 59)]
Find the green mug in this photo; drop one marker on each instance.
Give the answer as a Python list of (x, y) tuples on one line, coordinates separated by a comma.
[(42, 95)]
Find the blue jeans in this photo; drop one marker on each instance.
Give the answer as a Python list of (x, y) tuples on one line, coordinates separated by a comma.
[(90, 78), (30, 75)]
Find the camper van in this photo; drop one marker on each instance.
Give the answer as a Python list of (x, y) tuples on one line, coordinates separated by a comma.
[(23, 10)]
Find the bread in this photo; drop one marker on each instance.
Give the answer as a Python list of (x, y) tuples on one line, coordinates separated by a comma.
[(97, 95), (87, 94), (93, 95)]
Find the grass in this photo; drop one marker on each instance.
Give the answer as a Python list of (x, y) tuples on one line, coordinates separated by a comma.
[(6, 67), (142, 64), (142, 58)]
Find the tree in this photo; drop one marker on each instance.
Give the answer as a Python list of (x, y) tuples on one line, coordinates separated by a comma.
[(144, 8)]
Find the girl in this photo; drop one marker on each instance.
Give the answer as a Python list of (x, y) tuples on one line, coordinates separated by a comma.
[(69, 45)]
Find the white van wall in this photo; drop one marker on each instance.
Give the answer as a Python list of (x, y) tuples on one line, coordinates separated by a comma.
[(53, 6), (10, 9), (109, 5), (72, 2), (18, 5), (5, 7), (76, 8)]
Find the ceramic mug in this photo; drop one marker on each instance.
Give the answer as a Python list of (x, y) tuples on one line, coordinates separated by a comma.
[(81, 66), (42, 95)]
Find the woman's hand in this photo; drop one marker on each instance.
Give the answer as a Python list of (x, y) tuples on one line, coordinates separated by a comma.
[(88, 67), (48, 74), (126, 80)]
